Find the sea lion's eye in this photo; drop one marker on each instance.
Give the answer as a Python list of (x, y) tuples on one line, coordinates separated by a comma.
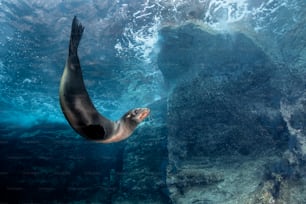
[(135, 112)]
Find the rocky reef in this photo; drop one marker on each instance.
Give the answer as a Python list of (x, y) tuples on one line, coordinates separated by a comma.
[(229, 102)]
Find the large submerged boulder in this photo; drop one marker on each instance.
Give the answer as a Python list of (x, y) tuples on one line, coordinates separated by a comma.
[(224, 106), (230, 103)]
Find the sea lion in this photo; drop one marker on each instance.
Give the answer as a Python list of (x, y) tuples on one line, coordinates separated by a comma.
[(78, 108)]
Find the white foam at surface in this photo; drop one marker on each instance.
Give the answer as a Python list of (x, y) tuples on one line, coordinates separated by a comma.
[(232, 10), (219, 15)]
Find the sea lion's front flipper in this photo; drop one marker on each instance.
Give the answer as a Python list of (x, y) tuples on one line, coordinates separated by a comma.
[(96, 132)]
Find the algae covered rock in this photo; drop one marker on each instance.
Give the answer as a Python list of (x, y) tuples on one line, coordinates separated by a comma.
[(224, 102), (230, 104)]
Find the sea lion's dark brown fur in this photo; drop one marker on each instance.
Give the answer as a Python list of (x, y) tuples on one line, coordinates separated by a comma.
[(78, 108)]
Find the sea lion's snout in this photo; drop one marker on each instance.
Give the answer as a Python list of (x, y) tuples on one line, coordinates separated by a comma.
[(142, 113)]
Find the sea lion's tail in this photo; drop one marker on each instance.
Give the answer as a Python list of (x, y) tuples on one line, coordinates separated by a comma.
[(75, 36)]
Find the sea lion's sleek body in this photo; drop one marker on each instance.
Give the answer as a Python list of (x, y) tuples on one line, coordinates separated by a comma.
[(78, 108)]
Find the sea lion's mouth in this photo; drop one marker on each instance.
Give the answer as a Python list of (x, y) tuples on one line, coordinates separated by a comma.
[(144, 113)]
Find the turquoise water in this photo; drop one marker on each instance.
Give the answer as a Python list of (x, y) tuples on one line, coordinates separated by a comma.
[(225, 81)]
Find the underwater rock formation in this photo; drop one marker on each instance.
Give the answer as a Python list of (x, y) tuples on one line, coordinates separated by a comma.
[(225, 101), (231, 104)]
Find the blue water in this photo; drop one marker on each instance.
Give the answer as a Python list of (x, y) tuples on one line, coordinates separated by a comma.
[(184, 60)]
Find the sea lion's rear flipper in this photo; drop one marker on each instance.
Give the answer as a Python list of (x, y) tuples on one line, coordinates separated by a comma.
[(75, 38)]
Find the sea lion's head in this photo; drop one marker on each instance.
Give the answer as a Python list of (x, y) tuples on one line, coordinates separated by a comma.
[(136, 116)]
